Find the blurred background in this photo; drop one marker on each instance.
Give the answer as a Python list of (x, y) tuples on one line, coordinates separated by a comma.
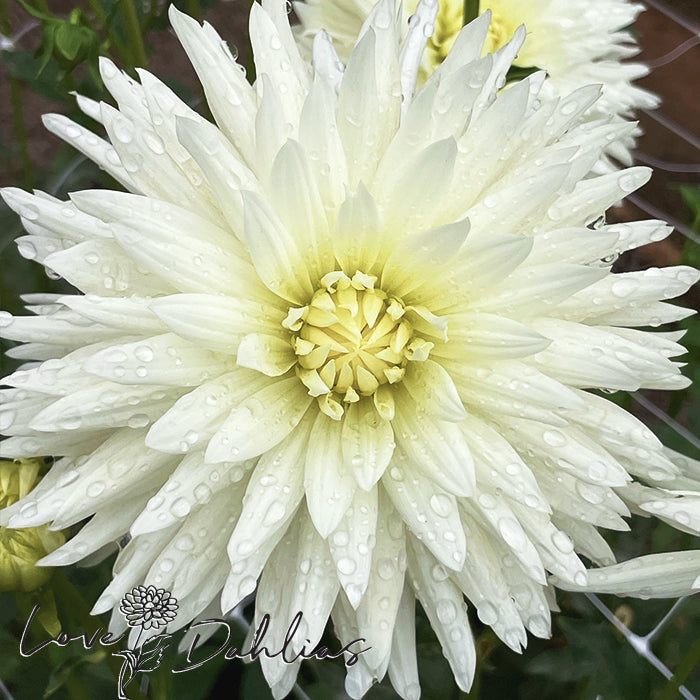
[(599, 649)]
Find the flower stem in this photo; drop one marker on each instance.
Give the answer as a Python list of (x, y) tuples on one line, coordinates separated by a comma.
[(471, 10), (133, 28), (19, 124), (193, 8)]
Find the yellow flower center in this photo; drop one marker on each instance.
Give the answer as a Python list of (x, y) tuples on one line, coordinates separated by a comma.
[(449, 22), (501, 29), (352, 341)]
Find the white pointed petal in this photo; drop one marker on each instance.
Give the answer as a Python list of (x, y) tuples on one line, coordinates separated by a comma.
[(421, 26), (430, 512), (431, 388), (229, 96), (625, 437), (271, 127), (617, 294), (499, 467), (194, 418), (466, 48), (587, 540), (680, 510), (325, 60), (109, 524), (573, 245), (260, 421), (502, 522), (297, 201), (587, 357), (185, 564), (435, 446), (278, 58), (403, 663), (164, 359), (151, 168), (130, 567), (268, 354), (413, 198), (165, 109), (329, 483), (275, 252), (221, 166), (56, 377), (652, 576), (369, 103), (499, 391), (444, 605), (191, 484), (530, 600), (60, 219), (377, 610), (274, 491), (356, 243), (417, 260), (96, 149), (189, 263), (126, 91), (490, 337), (568, 449), (106, 405), (318, 134), (368, 443), (483, 580), (217, 322), (554, 546), (67, 444), (130, 315), (120, 466), (531, 291), (593, 196), (110, 271), (303, 559), (352, 542)]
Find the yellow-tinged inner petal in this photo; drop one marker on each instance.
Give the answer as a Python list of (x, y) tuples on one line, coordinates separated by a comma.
[(351, 340)]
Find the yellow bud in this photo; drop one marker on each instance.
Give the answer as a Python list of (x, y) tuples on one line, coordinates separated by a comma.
[(21, 549)]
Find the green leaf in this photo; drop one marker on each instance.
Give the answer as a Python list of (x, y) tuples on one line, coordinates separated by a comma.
[(516, 73)]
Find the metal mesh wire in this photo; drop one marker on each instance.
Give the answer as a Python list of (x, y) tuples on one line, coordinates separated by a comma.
[(643, 645)]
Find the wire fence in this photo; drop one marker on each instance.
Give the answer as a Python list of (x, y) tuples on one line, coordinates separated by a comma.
[(642, 645)]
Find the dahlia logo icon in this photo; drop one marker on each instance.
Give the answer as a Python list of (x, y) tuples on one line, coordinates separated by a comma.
[(147, 608)]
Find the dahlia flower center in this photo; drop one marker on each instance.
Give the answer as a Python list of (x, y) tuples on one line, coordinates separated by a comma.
[(351, 340)]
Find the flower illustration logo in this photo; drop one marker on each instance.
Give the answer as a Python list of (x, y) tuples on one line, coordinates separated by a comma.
[(146, 608)]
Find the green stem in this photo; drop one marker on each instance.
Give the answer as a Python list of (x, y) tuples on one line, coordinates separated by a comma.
[(193, 8), (683, 670), (133, 30), (19, 124), (471, 10)]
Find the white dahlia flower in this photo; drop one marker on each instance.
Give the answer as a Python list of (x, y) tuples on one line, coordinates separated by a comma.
[(577, 42), (339, 348)]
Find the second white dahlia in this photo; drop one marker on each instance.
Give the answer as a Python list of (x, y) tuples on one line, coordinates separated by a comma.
[(577, 43), (339, 346)]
